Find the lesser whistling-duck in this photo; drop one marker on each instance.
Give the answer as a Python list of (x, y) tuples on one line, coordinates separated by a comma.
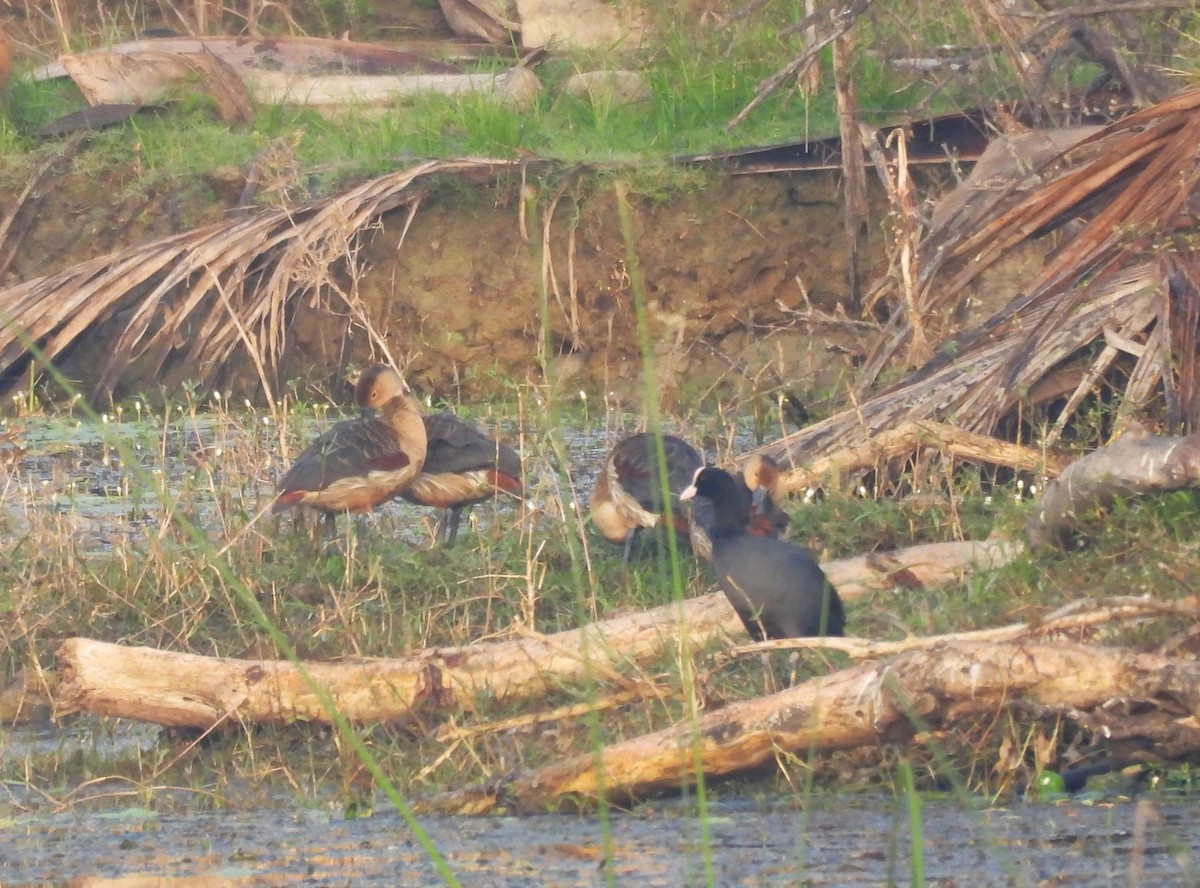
[(629, 493), (463, 466), (361, 463), (760, 474), (777, 588), (756, 484)]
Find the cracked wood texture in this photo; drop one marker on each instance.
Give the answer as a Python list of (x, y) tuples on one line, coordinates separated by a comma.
[(179, 689), (862, 705), (1136, 463)]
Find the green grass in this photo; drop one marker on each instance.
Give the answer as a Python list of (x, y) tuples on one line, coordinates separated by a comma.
[(140, 575), (377, 591), (697, 78)]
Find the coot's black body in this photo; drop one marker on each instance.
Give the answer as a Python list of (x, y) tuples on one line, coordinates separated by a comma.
[(777, 588)]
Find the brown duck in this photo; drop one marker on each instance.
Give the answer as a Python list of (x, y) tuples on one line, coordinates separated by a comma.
[(361, 463), (760, 474), (628, 495), (759, 515), (463, 466)]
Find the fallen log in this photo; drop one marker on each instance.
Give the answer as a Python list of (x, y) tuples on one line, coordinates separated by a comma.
[(188, 690), (1135, 463), (910, 439), (868, 704)]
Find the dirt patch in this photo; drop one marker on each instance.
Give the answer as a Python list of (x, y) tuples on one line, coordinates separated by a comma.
[(743, 280), (727, 268)]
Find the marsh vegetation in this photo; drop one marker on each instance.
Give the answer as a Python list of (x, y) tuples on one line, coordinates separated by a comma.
[(136, 515)]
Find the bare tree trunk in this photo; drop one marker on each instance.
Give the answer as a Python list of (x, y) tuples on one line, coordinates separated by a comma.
[(913, 438), (865, 705)]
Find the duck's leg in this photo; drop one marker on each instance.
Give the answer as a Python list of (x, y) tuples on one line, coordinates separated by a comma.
[(454, 516), (446, 530), (440, 528), (629, 535)]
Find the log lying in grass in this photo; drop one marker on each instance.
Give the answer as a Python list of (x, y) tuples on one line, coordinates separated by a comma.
[(864, 705), (181, 690), (1136, 463), (910, 438)]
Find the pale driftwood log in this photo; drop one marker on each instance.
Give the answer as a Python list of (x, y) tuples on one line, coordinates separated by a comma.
[(865, 705), (924, 566), (1080, 615), (913, 438), (189, 690), (154, 76), (1136, 463)]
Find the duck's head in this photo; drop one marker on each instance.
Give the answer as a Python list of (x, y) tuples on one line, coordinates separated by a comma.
[(377, 385)]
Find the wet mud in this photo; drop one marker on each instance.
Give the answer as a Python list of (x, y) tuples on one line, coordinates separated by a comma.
[(830, 842)]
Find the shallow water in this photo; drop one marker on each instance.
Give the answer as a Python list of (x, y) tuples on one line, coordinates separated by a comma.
[(847, 842), (858, 843)]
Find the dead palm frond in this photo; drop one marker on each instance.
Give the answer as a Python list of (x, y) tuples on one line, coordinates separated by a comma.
[(1126, 280), (190, 302)]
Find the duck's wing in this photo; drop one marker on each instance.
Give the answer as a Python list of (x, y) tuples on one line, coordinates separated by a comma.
[(635, 464), (352, 448), (456, 447)]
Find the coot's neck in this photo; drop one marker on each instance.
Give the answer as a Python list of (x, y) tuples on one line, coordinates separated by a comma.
[(726, 522)]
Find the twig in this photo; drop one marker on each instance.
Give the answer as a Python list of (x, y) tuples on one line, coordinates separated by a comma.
[(1063, 620), (844, 21)]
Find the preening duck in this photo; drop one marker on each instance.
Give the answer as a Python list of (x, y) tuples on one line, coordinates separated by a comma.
[(629, 493)]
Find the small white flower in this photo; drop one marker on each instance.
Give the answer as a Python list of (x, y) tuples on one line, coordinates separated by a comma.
[(987, 500), (1032, 489), (862, 490)]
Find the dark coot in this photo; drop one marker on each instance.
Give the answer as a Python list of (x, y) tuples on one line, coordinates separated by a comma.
[(777, 588)]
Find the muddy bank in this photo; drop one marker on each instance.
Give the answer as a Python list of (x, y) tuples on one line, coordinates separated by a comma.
[(745, 280)]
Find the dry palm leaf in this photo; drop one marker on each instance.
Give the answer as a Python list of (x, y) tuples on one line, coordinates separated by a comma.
[(193, 300), (1118, 280)]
